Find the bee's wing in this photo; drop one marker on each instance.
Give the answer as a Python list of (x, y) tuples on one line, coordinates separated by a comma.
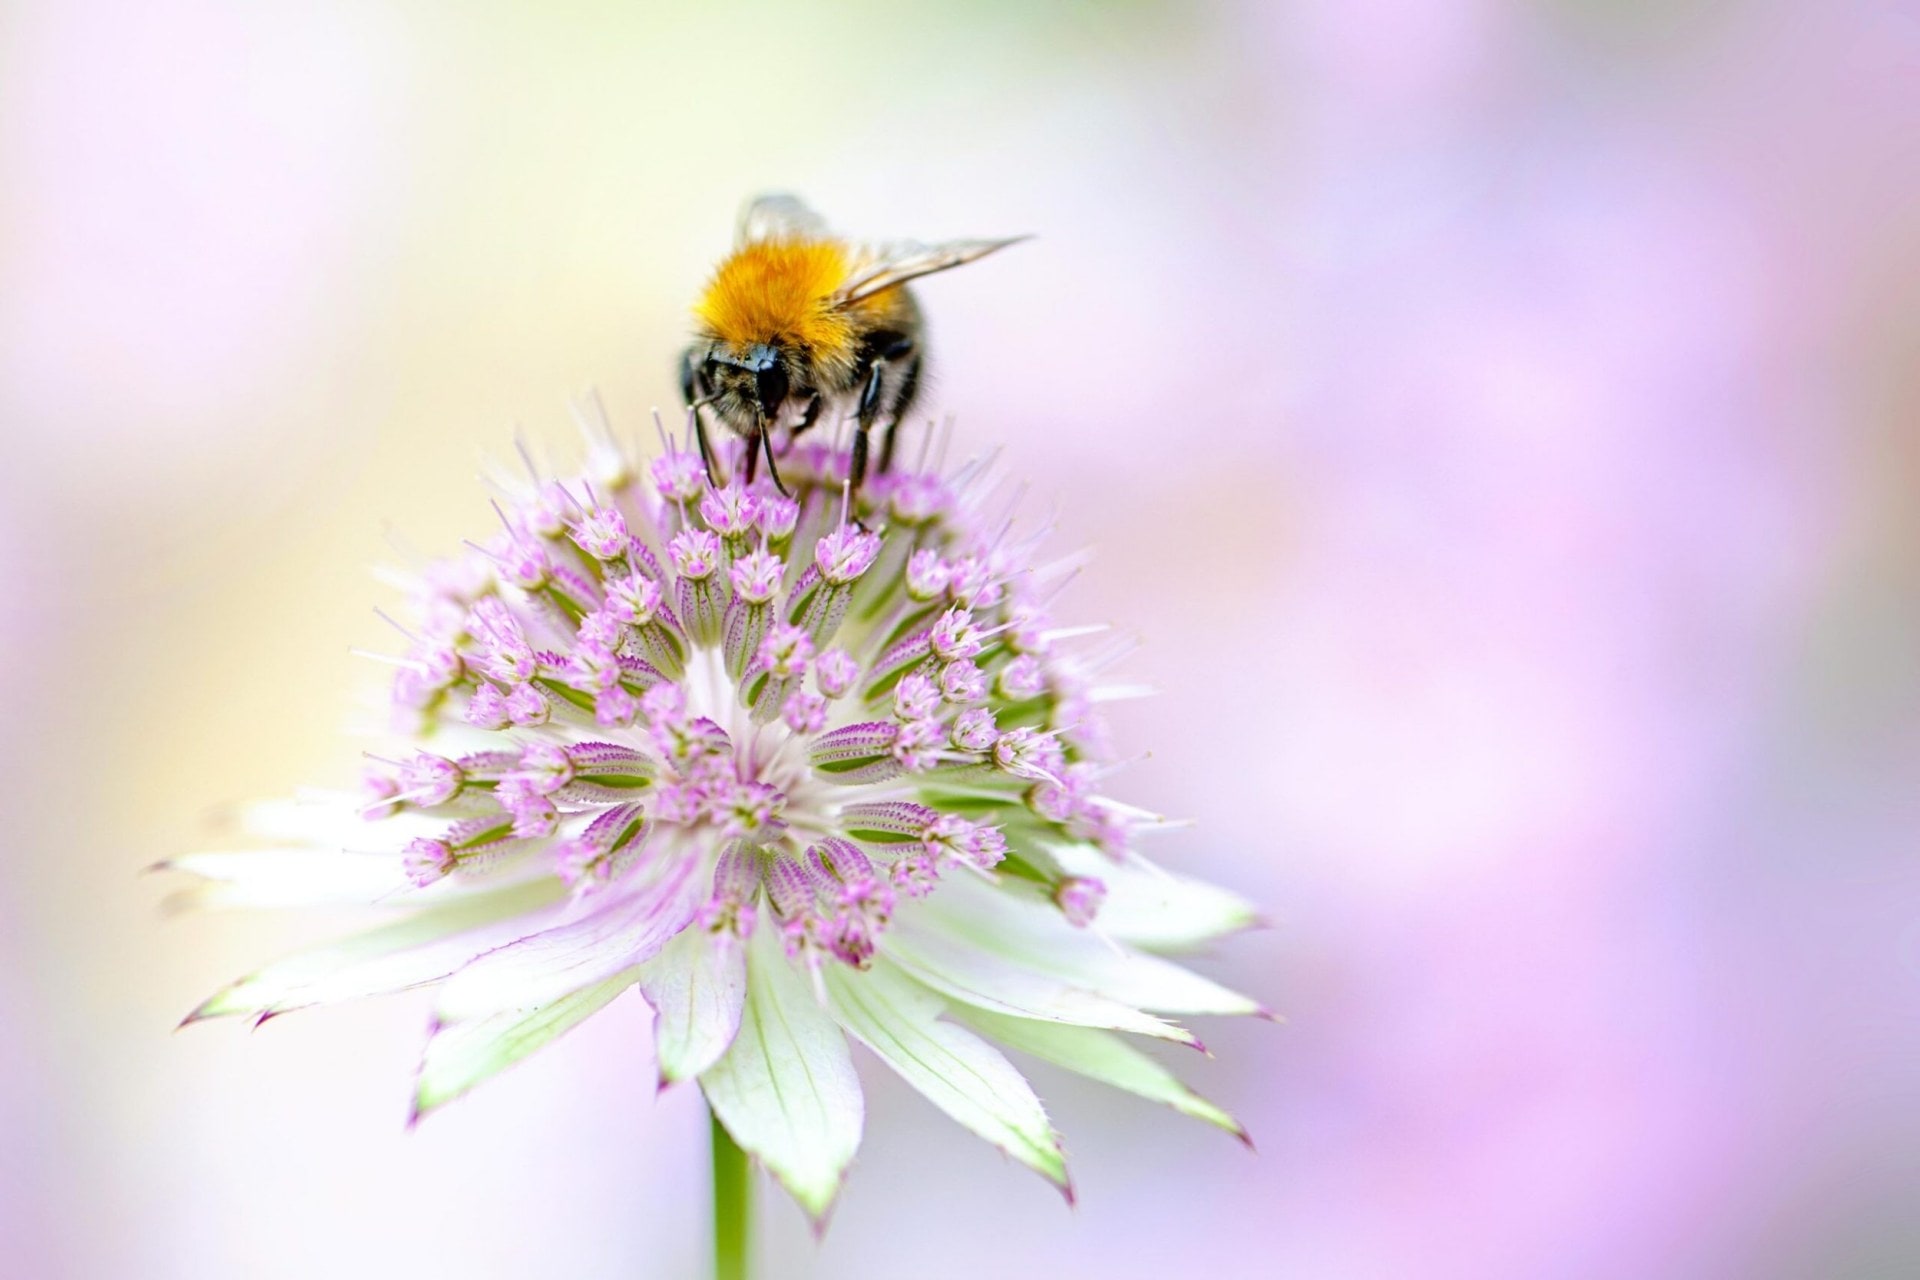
[(898, 263), (779, 216)]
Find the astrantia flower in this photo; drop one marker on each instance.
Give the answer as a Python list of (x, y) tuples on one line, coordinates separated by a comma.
[(799, 774)]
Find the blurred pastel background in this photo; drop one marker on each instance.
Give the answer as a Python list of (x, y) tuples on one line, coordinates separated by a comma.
[(1497, 418)]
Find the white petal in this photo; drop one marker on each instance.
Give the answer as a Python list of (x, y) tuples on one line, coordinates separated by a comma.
[(461, 1055), (617, 932), (288, 878), (422, 948), (786, 1089), (1098, 1055), (954, 1069), (696, 985), (1150, 908), (333, 820), (981, 978), (1031, 934)]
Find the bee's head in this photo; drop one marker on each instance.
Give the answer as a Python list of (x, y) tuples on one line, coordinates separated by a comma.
[(748, 385)]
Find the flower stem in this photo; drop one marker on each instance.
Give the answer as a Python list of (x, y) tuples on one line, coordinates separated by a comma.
[(732, 1205)]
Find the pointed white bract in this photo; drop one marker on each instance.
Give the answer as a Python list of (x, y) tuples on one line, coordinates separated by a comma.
[(697, 986), (957, 1071), (1098, 1055), (979, 977), (786, 1089), (807, 768), (461, 1055)]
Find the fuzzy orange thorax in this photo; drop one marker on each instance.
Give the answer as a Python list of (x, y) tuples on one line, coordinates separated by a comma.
[(780, 292)]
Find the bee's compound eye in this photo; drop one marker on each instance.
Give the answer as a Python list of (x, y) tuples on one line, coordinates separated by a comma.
[(771, 385)]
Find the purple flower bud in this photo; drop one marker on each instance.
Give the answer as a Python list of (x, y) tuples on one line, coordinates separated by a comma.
[(845, 554), (632, 599), (679, 475), (664, 704), (601, 533), (954, 636), (914, 875), (917, 747), (916, 697), (429, 780), (752, 812), (927, 574), (834, 672), (784, 653), (756, 577), (545, 767), (615, 708), (793, 887), (974, 730), (1021, 679), (486, 708), (695, 554), (526, 564), (380, 790), (971, 582), (736, 884), (425, 861), (1027, 632), (545, 514), (1027, 754), (1079, 899), (804, 713), (963, 683), (918, 498), (441, 666), (527, 707), (778, 516), (731, 512)]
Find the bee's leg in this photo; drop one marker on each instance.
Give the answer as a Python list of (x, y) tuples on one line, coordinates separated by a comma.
[(903, 397), (752, 463), (864, 415), (693, 390), (706, 450), (807, 419), (773, 472)]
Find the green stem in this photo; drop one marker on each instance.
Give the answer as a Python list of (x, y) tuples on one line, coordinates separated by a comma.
[(732, 1205)]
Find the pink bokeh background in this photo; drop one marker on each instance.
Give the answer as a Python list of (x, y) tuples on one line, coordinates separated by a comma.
[(1497, 420)]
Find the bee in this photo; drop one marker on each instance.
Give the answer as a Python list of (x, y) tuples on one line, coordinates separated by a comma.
[(796, 319)]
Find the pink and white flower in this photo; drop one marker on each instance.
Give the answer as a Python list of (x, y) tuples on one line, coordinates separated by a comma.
[(799, 774)]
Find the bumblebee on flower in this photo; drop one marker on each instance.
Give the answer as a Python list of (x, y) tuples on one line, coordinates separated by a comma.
[(797, 755)]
